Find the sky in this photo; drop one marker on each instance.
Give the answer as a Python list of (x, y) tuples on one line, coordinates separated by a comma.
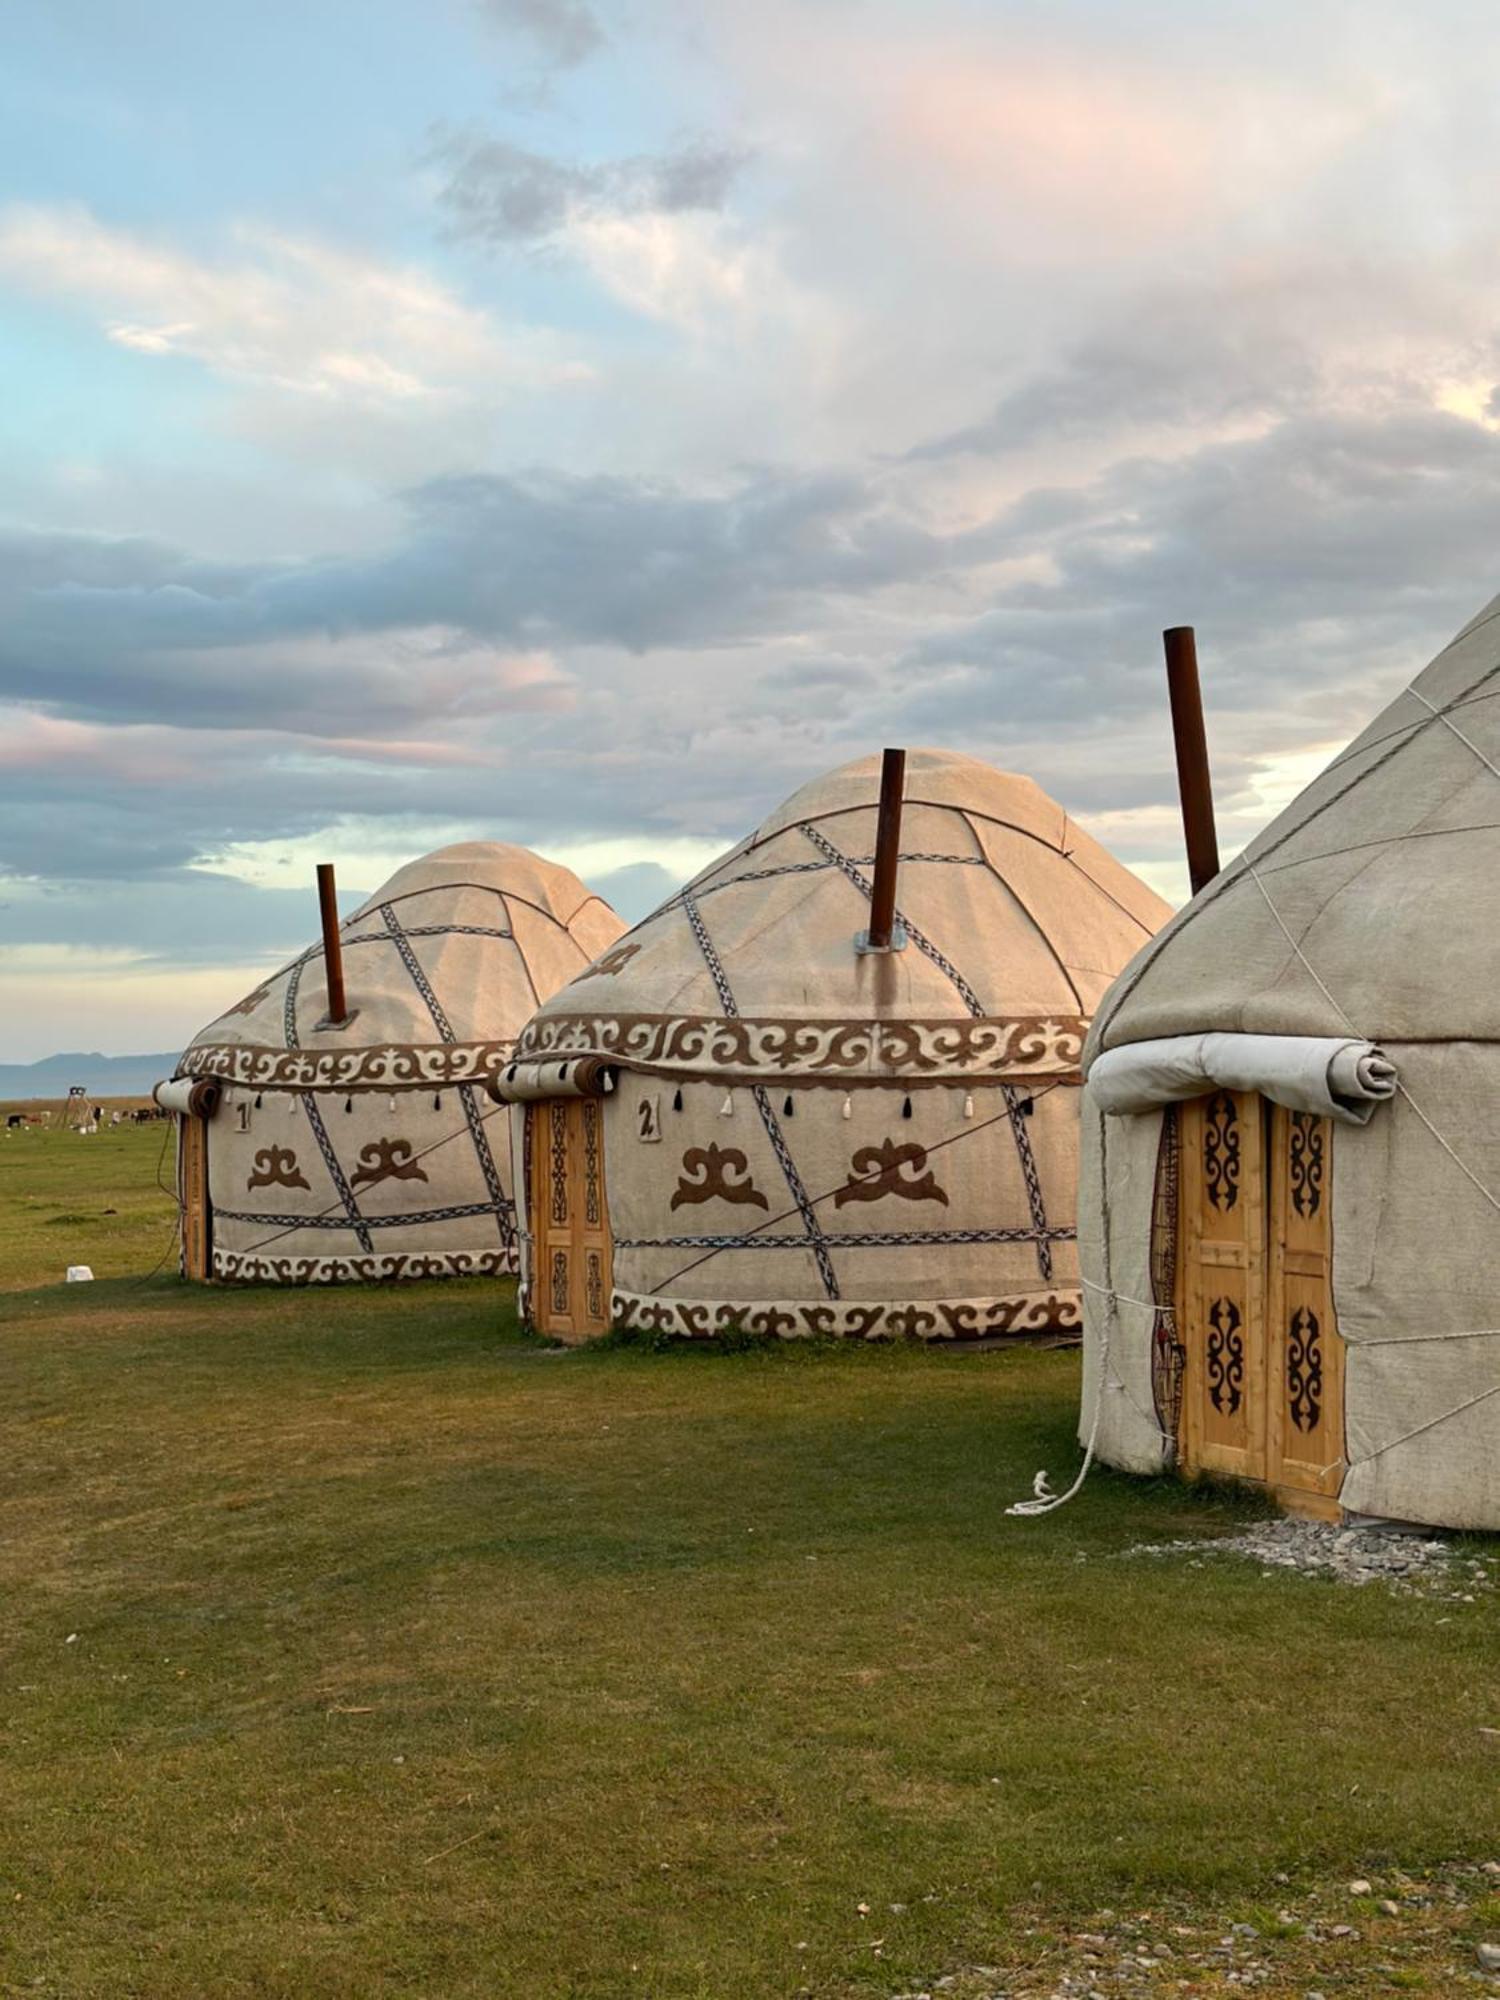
[(580, 422)]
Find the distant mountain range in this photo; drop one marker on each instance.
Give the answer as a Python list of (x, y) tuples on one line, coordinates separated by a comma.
[(101, 1076)]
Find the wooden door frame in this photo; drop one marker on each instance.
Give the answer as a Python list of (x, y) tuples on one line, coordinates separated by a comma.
[(582, 1235), (197, 1211)]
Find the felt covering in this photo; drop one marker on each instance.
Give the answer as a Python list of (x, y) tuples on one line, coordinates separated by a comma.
[(372, 1149), (810, 1139), (1364, 910)]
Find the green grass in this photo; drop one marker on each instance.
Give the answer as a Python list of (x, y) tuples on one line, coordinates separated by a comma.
[(356, 1645)]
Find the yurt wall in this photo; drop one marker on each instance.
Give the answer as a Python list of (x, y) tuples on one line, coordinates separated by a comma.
[(740, 1117), (317, 1151), (1291, 1177)]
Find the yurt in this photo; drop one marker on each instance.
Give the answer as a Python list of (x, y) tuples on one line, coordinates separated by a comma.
[(1290, 1207), (328, 1136), (831, 1086)]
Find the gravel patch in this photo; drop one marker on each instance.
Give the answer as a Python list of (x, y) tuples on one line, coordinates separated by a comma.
[(1414, 1564)]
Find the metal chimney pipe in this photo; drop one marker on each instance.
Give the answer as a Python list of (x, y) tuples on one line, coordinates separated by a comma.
[(879, 937), (333, 950), (1193, 782)]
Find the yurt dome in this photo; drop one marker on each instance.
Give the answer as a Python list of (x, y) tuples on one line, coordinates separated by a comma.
[(1291, 1198), (314, 1152), (754, 1122)]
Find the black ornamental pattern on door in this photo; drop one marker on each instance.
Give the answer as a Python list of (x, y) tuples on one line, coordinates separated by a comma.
[(387, 1160), (1304, 1369), (1226, 1357), (1305, 1163), (1221, 1152), (276, 1166), (716, 1173), (890, 1169)]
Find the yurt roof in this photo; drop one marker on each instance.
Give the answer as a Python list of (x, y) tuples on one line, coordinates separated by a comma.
[(1366, 906), (442, 965), (1017, 921)]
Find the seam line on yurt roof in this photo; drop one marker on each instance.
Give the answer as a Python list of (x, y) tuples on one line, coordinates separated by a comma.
[(760, 839), (1223, 883), (762, 1102), (975, 1006), (1358, 749), (938, 1146), (536, 998), (482, 1153), (437, 1144), (1023, 907), (1448, 723), (1467, 1171)]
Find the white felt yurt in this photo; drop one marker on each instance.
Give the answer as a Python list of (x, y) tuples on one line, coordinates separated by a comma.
[(736, 1117), (1290, 1207), (310, 1152)]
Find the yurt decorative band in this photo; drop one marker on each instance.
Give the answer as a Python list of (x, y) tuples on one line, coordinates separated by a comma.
[(413, 1065), (998, 1047), (859, 1319)]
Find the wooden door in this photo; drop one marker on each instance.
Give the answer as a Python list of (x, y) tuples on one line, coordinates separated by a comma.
[(197, 1213), (1222, 1278), (1263, 1366), (571, 1272), (1305, 1355)]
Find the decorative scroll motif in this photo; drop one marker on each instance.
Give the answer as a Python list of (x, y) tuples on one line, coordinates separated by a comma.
[(985, 1046), (1051, 1314), (557, 1162), (1306, 1163), (593, 1284), (593, 1207), (607, 967), (876, 1171), (717, 1173), (560, 1281), (250, 1267), (1226, 1357), (1168, 1355), (388, 1066), (276, 1166), (1304, 1369), (387, 1160), (1221, 1152)]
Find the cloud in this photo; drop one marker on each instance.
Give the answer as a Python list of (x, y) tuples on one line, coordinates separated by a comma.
[(500, 193), (284, 313), (564, 32)]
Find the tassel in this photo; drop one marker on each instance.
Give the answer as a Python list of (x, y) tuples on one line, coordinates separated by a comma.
[(393, 1100), (348, 1105), (968, 1107), (437, 1102), (726, 1109), (906, 1108), (1025, 1107), (848, 1107), (259, 1100), (788, 1110), (677, 1100)]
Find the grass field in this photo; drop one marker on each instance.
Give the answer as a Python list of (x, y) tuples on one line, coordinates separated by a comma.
[(355, 1644)]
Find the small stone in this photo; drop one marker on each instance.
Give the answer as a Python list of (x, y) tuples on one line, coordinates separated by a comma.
[(1360, 1887), (1388, 1908), (1488, 1956)]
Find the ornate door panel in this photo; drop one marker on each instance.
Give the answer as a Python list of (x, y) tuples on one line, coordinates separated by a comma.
[(192, 1181), (571, 1268), (1305, 1356), (1222, 1279)]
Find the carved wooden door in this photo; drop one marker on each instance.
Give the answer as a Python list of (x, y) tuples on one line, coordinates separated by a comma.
[(1222, 1278), (1263, 1367), (571, 1251), (192, 1181), (1305, 1355)]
